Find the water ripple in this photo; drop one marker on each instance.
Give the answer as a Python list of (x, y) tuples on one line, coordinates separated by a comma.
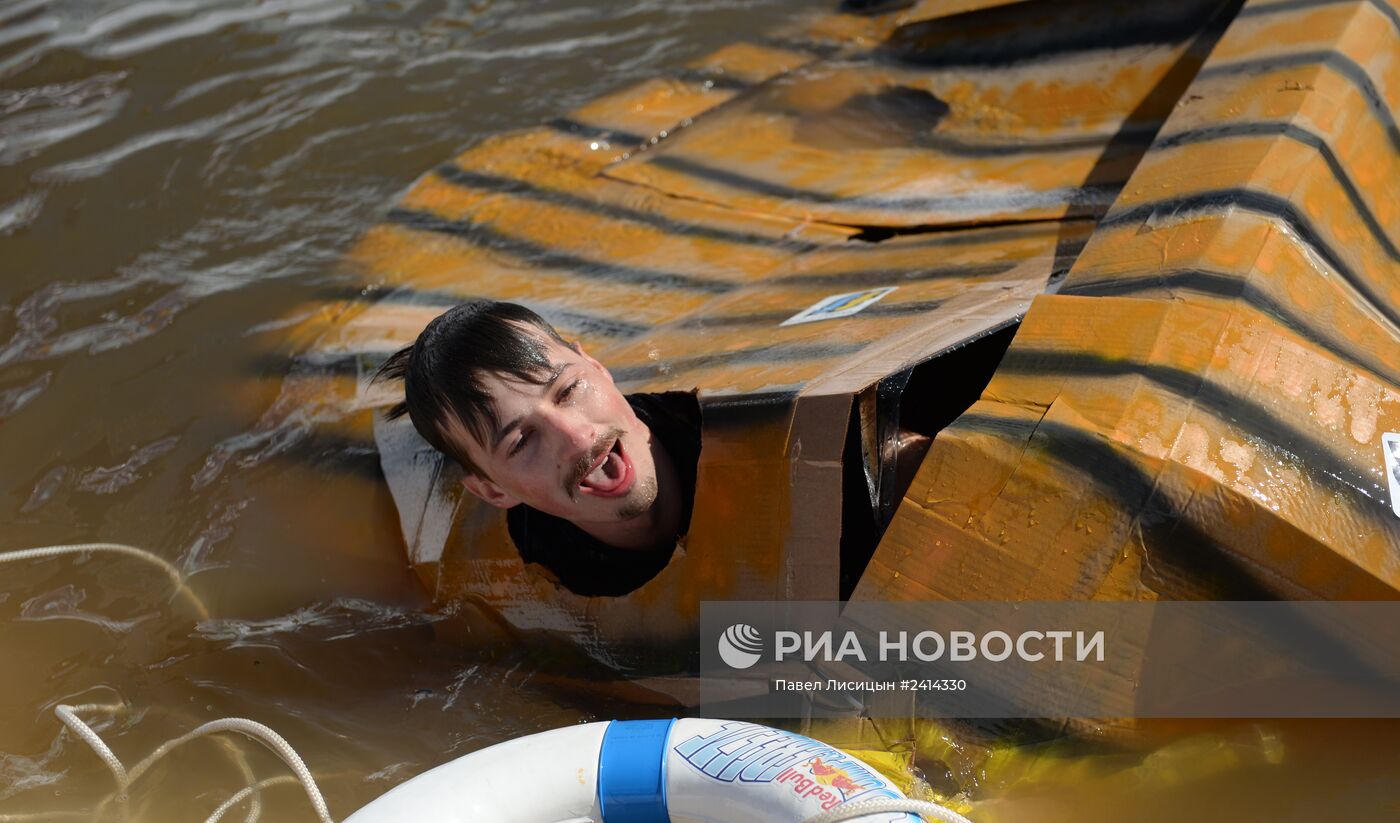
[(111, 479), (338, 619), (14, 399), (62, 604), (21, 212), (44, 490), (37, 118), (21, 774)]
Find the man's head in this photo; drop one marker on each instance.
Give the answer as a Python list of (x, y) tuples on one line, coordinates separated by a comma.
[(531, 418)]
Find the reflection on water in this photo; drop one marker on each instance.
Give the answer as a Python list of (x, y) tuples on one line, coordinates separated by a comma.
[(175, 178)]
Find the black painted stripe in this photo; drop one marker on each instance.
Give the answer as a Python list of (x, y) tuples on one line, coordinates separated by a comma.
[(1294, 5), (1267, 205), (578, 128), (522, 189), (571, 320), (439, 298), (1168, 536), (583, 322), (1241, 411), (1091, 195), (545, 257), (1238, 287), (1335, 60), (892, 277), (339, 364), (783, 353), (1132, 135), (793, 44), (1298, 134), (773, 318)]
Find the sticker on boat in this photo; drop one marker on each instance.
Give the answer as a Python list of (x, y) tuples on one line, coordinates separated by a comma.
[(839, 305), (1390, 445)]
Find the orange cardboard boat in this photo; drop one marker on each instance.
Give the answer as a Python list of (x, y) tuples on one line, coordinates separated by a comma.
[(1121, 280)]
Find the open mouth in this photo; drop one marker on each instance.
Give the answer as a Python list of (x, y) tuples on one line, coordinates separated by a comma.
[(611, 475)]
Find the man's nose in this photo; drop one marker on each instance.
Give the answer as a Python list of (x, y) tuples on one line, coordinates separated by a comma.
[(576, 432)]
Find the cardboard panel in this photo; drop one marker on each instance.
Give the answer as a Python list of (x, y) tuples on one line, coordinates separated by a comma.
[(1200, 411), (956, 121)]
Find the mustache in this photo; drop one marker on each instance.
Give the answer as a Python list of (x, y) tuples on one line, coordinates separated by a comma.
[(580, 469)]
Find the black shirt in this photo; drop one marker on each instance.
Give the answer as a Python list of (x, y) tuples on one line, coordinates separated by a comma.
[(582, 563)]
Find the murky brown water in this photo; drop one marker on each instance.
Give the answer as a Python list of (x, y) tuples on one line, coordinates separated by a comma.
[(174, 177)]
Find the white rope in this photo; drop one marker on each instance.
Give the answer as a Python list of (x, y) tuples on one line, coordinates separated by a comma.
[(67, 714), (254, 789), (850, 811), (250, 728), (255, 806), (258, 732), (173, 573), (255, 730), (69, 718)]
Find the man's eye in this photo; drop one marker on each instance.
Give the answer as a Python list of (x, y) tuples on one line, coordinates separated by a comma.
[(568, 390), (519, 444)]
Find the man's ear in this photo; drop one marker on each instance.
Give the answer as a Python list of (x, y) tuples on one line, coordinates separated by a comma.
[(488, 491)]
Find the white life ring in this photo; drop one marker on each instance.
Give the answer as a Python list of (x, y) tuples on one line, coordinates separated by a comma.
[(640, 771)]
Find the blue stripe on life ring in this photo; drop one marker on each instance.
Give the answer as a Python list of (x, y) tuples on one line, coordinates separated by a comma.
[(632, 771)]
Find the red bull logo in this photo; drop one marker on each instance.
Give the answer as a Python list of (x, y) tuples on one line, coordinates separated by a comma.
[(826, 783), (838, 779)]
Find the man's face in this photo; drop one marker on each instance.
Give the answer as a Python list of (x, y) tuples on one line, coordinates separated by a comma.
[(571, 447)]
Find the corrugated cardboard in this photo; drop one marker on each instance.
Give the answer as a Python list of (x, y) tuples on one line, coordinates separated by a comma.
[(1195, 410)]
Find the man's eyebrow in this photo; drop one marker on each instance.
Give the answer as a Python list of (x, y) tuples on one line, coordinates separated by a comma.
[(505, 430)]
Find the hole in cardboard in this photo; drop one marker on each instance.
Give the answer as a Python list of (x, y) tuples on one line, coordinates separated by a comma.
[(587, 566), (891, 428)]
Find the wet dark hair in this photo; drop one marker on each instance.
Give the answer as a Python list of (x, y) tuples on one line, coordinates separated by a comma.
[(442, 370)]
